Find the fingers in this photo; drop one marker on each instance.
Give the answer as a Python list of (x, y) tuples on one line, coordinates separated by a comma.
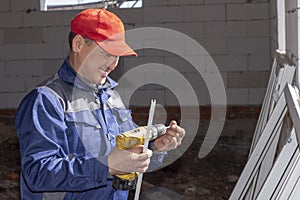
[(142, 161), (174, 129), (178, 139), (126, 161), (142, 156)]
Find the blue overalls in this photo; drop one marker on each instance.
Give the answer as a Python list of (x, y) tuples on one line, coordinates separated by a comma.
[(66, 129)]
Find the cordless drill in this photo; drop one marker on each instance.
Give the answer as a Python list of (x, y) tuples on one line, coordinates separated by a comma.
[(129, 140)]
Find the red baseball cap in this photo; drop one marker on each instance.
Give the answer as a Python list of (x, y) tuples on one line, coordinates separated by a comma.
[(105, 28)]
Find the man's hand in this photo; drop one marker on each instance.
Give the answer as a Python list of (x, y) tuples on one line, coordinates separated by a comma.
[(130, 160), (171, 139)]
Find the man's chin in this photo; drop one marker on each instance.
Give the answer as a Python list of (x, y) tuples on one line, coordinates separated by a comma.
[(101, 81)]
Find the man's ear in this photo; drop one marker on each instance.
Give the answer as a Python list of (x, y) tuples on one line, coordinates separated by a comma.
[(77, 43)]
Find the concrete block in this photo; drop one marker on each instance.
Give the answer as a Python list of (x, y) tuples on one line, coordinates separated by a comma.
[(191, 29), (175, 80), (185, 2), (247, 79), (50, 67), (196, 81), (260, 45), (56, 34), (204, 13), (143, 97), (224, 1), (17, 5), (44, 51), (234, 1), (226, 29), (3, 104), (23, 35), (236, 12), (12, 52), (273, 46), (24, 68), (2, 69), (12, 84), (4, 5), (1, 36), (259, 62), (53, 18), (258, 11), (260, 1), (153, 31), (67, 16), (273, 9), (292, 22), (11, 19), (129, 15), (259, 28), (33, 82), (181, 97), (256, 96), (273, 29), (187, 63), (66, 48), (248, 11), (131, 62), (229, 63), (211, 45), (157, 77), (155, 52), (147, 3), (163, 14), (237, 96), (168, 45), (212, 80), (14, 99)]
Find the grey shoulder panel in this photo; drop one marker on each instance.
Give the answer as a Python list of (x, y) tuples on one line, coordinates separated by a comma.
[(54, 195), (115, 100)]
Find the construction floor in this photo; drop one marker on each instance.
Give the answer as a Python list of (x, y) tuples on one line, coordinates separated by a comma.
[(210, 178)]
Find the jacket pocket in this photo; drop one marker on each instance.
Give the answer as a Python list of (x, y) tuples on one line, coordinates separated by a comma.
[(86, 118), (86, 127), (124, 119)]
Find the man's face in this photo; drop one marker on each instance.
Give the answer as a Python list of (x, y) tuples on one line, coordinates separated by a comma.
[(96, 64)]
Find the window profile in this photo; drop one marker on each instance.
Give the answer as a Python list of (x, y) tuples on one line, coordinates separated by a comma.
[(48, 5)]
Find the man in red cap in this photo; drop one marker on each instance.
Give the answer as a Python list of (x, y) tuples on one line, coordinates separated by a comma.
[(68, 125)]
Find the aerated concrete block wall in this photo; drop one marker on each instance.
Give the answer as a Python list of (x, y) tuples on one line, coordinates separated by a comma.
[(236, 33)]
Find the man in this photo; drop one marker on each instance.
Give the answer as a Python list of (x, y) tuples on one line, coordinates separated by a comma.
[(68, 125)]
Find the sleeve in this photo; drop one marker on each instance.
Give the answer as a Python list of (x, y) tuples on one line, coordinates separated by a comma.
[(47, 164), (156, 159)]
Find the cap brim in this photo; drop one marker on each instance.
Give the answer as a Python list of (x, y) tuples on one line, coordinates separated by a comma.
[(117, 48)]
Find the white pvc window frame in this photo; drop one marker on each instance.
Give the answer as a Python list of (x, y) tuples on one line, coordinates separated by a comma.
[(47, 5)]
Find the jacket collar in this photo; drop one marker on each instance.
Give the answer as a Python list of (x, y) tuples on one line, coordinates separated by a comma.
[(70, 76)]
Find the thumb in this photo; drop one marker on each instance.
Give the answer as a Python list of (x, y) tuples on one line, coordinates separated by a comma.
[(173, 124), (149, 152), (137, 149)]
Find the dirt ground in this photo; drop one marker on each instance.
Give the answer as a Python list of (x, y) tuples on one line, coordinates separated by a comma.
[(210, 178)]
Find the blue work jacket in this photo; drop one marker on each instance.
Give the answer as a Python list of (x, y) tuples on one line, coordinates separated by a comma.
[(66, 129)]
